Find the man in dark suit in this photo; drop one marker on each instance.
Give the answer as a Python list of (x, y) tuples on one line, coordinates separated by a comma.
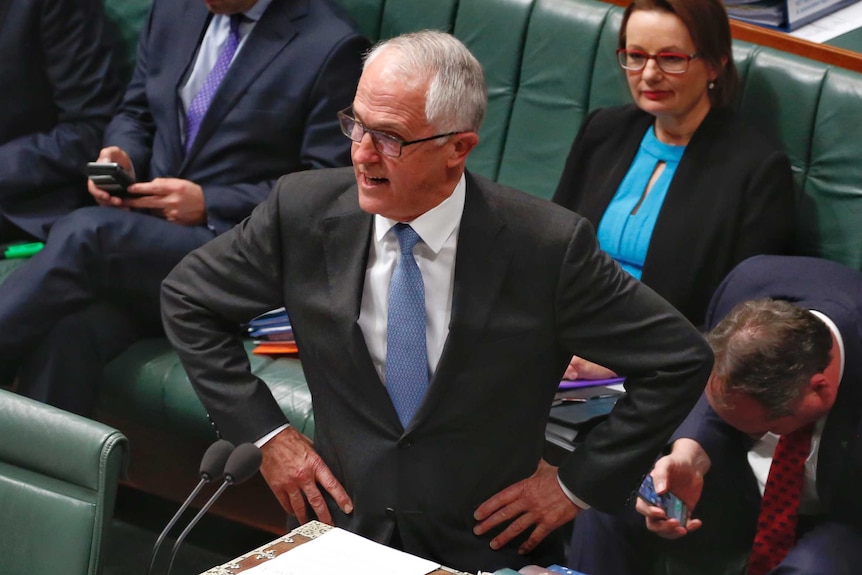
[(441, 461), (94, 289), (782, 364), (59, 92)]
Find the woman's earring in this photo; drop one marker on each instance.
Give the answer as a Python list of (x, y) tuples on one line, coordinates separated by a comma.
[(711, 85)]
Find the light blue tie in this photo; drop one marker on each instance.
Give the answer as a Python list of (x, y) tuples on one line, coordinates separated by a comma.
[(406, 352)]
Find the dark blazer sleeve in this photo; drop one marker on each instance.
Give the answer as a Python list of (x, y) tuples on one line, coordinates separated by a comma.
[(232, 278), (59, 93), (629, 328)]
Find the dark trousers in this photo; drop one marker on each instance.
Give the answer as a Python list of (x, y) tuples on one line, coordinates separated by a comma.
[(9, 232), (89, 294)]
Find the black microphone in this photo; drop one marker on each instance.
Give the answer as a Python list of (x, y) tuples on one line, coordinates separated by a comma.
[(242, 464), (212, 468)]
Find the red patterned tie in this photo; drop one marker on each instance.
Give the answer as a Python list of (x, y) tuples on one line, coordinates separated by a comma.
[(779, 508)]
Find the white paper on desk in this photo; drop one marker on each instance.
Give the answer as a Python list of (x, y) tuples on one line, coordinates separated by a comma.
[(337, 552)]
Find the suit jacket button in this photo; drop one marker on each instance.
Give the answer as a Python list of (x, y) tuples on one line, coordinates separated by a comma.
[(405, 444), (390, 513)]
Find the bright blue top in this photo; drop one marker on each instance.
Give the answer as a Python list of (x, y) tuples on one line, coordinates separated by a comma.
[(626, 236)]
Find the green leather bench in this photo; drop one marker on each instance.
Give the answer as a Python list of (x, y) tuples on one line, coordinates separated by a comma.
[(548, 63)]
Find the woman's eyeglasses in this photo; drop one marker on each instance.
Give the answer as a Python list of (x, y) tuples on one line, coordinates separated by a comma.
[(668, 62)]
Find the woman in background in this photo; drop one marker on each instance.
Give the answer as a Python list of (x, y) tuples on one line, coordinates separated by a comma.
[(679, 189)]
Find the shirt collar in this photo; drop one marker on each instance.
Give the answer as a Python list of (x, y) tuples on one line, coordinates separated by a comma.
[(437, 224), (834, 329), (255, 12)]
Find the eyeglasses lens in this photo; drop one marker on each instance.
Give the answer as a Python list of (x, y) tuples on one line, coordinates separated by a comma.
[(671, 63)]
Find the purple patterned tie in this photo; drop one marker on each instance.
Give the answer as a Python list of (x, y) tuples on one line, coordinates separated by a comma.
[(204, 97)]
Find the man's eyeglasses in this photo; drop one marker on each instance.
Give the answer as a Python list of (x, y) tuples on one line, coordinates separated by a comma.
[(668, 62), (384, 143)]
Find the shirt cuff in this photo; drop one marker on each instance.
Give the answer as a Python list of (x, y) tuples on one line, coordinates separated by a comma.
[(572, 497), (262, 441)]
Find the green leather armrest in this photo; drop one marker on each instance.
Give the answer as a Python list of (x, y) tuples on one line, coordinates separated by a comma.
[(58, 480)]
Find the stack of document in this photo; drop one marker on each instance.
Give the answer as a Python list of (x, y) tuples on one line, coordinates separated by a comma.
[(272, 333), (782, 14), (763, 12), (578, 407)]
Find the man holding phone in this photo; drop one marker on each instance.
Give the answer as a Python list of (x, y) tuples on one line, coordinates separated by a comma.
[(770, 460), (226, 96)]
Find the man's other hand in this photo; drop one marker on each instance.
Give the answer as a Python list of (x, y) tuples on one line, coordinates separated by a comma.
[(295, 473), (176, 200), (536, 501), (580, 368)]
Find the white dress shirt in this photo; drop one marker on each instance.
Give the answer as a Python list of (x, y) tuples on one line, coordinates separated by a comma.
[(435, 256)]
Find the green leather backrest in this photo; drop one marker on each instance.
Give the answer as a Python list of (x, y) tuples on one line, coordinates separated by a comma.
[(58, 480), (494, 31), (125, 19), (780, 98), (554, 95), (811, 110), (367, 15), (400, 16), (831, 201)]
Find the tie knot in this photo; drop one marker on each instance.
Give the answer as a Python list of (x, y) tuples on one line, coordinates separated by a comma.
[(235, 21), (799, 440), (407, 237)]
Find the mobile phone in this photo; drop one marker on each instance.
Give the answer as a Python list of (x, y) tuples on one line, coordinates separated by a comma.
[(111, 177), (672, 505)]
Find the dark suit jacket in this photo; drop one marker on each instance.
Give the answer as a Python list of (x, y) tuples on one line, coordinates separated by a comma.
[(530, 289), (731, 197), (731, 499), (274, 113), (58, 94)]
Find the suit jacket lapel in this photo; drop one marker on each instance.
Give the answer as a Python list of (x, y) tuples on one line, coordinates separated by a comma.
[(481, 263), (198, 17), (269, 36), (348, 231)]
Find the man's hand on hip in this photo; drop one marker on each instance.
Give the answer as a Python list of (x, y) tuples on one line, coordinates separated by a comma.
[(536, 501), (295, 473)]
